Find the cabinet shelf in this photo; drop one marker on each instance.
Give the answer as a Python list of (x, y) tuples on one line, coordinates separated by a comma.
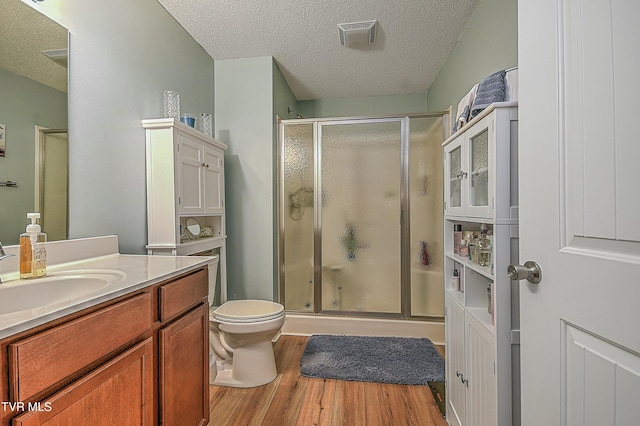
[(488, 221), (457, 295), (482, 270)]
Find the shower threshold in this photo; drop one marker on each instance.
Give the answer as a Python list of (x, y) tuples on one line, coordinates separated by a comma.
[(306, 325)]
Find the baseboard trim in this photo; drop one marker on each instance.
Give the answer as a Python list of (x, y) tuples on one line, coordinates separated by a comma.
[(306, 325)]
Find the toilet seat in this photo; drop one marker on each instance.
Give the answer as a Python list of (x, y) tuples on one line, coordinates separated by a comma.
[(247, 311)]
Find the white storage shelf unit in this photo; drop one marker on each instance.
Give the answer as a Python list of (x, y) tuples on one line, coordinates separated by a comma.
[(185, 180), (480, 166)]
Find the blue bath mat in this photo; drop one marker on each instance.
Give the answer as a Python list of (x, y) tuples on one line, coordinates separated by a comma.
[(397, 360)]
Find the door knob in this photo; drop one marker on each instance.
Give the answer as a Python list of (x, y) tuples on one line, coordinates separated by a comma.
[(530, 271)]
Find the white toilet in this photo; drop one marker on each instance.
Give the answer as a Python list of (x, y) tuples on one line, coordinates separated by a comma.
[(240, 333)]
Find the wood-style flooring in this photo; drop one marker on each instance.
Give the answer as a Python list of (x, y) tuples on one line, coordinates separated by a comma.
[(292, 399)]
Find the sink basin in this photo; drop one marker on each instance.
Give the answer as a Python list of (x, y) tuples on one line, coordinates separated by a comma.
[(54, 289)]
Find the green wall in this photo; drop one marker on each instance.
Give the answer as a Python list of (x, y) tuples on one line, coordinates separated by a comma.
[(122, 56), (489, 43), (24, 105), (245, 121), (366, 105)]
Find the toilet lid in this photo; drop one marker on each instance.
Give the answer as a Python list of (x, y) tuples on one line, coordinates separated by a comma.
[(248, 311)]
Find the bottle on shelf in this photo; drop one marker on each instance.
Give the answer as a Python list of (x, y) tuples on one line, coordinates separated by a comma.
[(455, 280), (464, 248), (482, 248), (457, 238)]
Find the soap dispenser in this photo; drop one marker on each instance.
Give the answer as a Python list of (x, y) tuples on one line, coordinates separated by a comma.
[(33, 250)]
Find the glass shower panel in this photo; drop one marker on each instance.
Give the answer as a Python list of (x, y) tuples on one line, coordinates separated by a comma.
[(426, 215), (360, 216), (480, 169), (298, 217)]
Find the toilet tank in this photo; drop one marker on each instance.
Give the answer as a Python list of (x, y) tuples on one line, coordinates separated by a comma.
[(213, 272)]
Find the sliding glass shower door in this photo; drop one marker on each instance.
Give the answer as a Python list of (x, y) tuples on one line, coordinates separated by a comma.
[(360, 244), (360, 216)]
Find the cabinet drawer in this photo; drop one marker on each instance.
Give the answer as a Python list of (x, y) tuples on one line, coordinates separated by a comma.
[(46, 358), (182, 294), (119, 392)]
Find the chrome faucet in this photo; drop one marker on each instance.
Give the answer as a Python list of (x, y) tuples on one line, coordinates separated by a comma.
[(3, 255)]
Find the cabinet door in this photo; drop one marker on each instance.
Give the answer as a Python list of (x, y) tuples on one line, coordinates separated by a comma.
[(184, 369), (213, 181), (118, 393), (456, 389), (480, 145), (481, 374), (190, 179), (455, 177)]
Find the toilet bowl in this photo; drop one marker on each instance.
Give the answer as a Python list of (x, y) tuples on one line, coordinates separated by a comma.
[(240, 333)]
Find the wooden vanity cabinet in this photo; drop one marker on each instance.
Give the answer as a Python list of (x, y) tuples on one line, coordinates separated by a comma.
[(184, 369), (183, 351), (141, 359), (119, 392)]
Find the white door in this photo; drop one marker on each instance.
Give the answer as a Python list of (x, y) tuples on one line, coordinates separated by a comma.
[(579, 211)]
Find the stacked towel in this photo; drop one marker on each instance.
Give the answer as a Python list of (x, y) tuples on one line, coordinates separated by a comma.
[(464, 109), (490, 90)]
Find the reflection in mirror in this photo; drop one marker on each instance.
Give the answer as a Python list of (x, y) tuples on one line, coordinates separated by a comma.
[(33, 110)]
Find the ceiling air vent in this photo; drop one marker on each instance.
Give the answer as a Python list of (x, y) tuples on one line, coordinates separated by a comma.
[(357, 34)]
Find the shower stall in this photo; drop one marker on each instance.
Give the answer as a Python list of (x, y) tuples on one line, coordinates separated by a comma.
[(360, 215)]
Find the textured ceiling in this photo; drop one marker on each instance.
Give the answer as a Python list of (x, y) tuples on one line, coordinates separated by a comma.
[(24, 34), (413, 41)]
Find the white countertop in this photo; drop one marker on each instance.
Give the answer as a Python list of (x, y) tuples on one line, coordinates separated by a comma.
[(134, 272)]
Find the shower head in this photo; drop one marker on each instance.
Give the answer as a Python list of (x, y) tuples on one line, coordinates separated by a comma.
[(290, 111)]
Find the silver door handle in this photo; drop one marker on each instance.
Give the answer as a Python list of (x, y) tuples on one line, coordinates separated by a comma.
[(530, 271)]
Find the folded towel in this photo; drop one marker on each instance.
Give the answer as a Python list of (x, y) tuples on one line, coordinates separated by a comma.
[(490, 90), (464, 108)]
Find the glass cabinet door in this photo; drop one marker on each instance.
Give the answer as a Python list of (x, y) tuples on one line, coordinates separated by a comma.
[(455, 175), (479, 191), (455, 178)]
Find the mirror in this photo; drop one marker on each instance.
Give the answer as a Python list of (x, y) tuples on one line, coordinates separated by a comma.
[(33, 113), (193, 228)]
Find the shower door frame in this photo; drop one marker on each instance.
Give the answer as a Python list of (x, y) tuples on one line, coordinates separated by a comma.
[(405, 225)]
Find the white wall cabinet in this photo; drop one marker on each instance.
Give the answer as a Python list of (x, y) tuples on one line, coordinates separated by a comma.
[(472, 178), (201, 177), (480, 166), (185, 181)]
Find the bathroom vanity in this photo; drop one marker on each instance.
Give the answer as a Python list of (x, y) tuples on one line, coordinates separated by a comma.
[(134, 351)]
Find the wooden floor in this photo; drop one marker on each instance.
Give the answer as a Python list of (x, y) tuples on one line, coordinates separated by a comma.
[(292, 399)]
